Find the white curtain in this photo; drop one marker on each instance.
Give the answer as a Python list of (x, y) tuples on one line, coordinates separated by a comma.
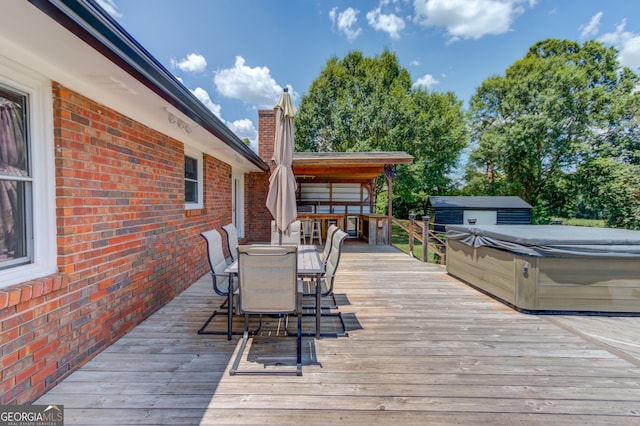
[(13, 162)]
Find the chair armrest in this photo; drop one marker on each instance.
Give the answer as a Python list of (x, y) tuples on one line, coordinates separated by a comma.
[(220, 275)]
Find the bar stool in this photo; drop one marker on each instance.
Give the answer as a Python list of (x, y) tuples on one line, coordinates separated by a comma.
[(316, 231), (305, 230)]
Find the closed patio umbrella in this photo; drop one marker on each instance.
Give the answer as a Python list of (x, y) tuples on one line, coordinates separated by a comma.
[(281, 200)]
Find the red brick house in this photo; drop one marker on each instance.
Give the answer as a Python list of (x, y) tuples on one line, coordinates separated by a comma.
[(112, 171)]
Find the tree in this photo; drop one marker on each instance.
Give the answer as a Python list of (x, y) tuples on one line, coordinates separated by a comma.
[(560, 105), (368, 104), (613, 189)]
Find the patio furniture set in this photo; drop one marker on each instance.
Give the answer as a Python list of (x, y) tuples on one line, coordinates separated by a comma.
[(274, 279)]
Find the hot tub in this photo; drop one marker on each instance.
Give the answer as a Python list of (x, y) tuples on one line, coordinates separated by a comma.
[(538, 268)]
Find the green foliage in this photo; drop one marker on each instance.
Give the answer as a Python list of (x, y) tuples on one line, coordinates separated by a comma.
[(353, 105), (613, 189), (560, 106), (368, 104)]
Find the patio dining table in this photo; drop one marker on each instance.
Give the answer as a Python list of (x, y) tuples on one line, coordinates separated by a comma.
[(309, 266)]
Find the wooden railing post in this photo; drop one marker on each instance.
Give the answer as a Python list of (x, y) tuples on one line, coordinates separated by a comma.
[(412, 218), (425, 238)]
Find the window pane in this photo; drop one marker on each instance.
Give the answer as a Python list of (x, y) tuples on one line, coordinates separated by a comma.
[(190, 191), (13, 235), (190, 168), (15, 195), (14, 160)]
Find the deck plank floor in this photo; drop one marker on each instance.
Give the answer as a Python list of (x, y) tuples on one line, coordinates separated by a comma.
[(423, 348)]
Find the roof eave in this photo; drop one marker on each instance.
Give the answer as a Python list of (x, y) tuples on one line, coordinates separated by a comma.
[(97, 29)]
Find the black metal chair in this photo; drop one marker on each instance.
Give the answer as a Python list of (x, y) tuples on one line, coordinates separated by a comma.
[(221, 281), (268, 283)]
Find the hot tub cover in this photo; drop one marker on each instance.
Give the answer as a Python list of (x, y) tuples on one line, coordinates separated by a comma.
[(550, 240)]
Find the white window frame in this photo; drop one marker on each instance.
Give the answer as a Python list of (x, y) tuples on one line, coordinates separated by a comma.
[(197, 155), (41, 156)]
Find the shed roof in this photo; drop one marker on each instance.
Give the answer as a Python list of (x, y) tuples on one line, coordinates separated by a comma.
[(480, 202), (345, 166)]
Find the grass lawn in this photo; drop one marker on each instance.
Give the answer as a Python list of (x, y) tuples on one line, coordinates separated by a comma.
[(596, 223)]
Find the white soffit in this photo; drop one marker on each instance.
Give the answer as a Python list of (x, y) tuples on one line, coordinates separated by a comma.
[(36, 41)]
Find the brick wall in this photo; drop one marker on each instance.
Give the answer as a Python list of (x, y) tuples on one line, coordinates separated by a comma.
[(126, 245), (258, 217)]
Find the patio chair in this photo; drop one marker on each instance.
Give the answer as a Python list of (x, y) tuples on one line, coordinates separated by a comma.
[(232, 240), (268, 282), (324, 256), (327, 280), (292, 238), (332, 262), (330, 258), (220, 279)]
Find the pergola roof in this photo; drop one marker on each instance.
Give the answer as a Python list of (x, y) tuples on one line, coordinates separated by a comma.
[(344, 166)]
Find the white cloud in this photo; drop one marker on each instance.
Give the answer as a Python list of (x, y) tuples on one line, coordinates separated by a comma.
[(346, 21), (192, 63), (469, 19), (250, 85), (110, 7), (426, 81), (203, 97), (242, 128), (627, 43), (391, 24), (592, 28), (245, 129)]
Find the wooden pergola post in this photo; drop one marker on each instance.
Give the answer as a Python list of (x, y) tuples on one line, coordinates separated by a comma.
[(390, 211), (390, 173)]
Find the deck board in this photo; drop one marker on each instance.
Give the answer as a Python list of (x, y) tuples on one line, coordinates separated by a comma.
[(423, 348)]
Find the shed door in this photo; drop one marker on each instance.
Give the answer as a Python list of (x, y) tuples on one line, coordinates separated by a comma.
[(482, 217)]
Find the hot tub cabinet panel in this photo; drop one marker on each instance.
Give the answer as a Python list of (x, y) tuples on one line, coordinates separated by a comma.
[(597, 283), (492, 271), (605, 285)]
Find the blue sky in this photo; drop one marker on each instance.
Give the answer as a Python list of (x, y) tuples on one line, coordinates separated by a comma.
[(236, 56)]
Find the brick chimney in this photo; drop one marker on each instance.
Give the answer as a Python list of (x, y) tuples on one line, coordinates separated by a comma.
[(266, 134), (257, 216)]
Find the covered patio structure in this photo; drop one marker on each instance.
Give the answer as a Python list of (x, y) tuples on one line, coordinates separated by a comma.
[(341, 186)]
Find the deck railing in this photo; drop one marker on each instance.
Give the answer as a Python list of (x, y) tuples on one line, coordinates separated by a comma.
[(433, 242)]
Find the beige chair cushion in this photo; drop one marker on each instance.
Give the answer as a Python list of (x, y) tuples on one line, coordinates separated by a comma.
[(268, 278), (217, 262), (292, 238)]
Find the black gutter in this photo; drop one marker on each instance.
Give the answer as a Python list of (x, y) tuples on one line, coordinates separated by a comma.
[(98, 29)]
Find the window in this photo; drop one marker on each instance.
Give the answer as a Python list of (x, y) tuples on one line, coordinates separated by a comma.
[(15, 180), (27, 203), (190, 180), (193, 180)]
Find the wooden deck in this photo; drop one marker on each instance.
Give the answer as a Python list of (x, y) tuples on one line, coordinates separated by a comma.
[(423, 348)]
